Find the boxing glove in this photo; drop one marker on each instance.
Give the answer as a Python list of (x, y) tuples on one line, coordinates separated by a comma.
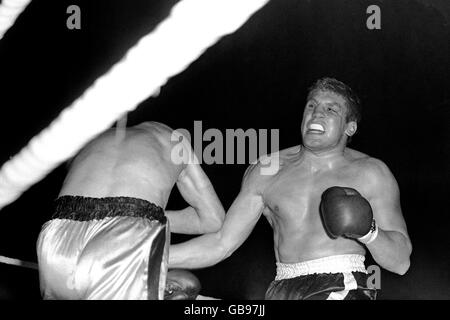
[(345, 213), (181, 285)]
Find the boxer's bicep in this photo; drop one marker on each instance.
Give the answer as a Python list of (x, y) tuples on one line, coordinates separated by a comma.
[(244, 212), (240, 220), (385, 201)]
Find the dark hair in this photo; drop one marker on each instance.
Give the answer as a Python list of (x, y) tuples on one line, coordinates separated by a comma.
[(340, 88)]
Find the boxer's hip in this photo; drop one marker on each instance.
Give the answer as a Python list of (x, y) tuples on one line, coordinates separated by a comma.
[(331, 278), (103, 248)]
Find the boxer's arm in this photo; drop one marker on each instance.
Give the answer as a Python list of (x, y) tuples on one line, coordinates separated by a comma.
[(392, 247), (205, 213), (212, 248)]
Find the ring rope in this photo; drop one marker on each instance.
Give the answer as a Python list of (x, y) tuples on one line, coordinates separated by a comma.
[(9, 12), (17, 262)]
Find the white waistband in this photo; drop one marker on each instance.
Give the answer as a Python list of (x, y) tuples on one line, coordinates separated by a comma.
[(332, 264)]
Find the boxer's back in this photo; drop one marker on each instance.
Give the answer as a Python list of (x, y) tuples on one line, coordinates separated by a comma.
[(135, 163)]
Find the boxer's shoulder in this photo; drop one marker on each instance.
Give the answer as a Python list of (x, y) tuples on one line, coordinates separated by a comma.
[(154, 125), (261, 173), (156, 129), (370, 165), (253, 179), (373, 171), (289, 154), (355, 155), (281, 157), (161, 135), (362, 161), (378, 172)]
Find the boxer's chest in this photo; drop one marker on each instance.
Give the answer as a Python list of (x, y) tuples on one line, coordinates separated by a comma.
[(295, 195)]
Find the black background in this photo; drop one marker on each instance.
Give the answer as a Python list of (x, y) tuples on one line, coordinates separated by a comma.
[(254, 78)]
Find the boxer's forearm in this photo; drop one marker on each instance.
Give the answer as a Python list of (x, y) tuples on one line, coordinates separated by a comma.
[(185, 221), (391, 250), (204, 215), (200, 252), (189, 221)]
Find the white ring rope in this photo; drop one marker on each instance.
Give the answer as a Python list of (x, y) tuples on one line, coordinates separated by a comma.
[(9, 11), (192, 27), (17, 262)]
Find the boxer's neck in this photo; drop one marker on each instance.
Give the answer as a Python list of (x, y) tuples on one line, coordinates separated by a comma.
[(321, 159)]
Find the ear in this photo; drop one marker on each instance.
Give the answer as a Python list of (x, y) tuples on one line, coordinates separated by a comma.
[(352, 126)]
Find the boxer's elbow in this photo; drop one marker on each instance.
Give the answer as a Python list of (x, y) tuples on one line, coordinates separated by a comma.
[(210, 226), (399, 260), (216, 221), (212, 222), (397, 267), (404, 267), (405, 262), (223, 248)]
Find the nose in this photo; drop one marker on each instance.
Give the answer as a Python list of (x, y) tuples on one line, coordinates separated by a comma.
[(318, 111)]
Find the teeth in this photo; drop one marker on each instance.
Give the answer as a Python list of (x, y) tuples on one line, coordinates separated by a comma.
[(315, 126)]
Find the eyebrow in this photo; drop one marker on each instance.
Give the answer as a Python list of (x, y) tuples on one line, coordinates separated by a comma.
[(334, 104)]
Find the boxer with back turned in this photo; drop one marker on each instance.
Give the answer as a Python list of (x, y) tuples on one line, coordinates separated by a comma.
[(109, 235), (327, 205)]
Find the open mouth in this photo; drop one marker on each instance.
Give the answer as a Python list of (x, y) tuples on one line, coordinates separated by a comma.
[(316, 128)]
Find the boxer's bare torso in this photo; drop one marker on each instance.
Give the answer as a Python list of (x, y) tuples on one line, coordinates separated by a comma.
[(292, 198), (135, 163)]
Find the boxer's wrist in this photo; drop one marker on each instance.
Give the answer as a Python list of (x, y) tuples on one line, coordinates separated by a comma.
[(371, 235)]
